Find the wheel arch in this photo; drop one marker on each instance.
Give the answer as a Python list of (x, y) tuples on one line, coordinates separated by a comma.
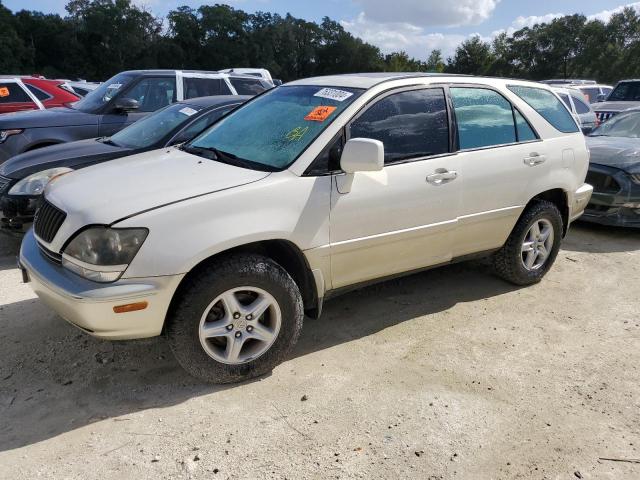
[(560, 199), (286, 254)]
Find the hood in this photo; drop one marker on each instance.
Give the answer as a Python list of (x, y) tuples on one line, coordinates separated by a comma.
[(614, 106), (111, 191), (73, 154), (618, 152), (52, 117)]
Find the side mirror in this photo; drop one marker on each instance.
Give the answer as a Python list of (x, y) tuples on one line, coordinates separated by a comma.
[(277, 82), (126, 105), (362, 155), (601, 98)]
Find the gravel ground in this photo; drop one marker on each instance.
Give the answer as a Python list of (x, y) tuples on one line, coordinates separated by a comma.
[(446, 374)]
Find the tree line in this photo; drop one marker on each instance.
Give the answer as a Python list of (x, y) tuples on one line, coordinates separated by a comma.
[(98, 38)]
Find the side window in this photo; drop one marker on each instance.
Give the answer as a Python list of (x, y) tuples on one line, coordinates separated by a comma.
[(548, 106), (410, 124), (591, 94), (13, 93), (40, 95), (581, 107), (153, 93), (248, 86), (329, 159), (204, 87), (203, 122), (524, 130), (484, 118), (566, 101)]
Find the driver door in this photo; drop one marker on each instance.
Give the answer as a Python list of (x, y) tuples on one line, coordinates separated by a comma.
[(403, 217), (151, 93)]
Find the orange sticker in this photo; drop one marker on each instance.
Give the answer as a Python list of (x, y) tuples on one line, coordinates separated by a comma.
[(320, 114), (4, 92)]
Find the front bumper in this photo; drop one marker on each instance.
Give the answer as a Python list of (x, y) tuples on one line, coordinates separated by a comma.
[(90, 305), (615, 200)]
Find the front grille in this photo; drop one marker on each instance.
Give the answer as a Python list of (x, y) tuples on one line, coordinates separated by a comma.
[(51, 256), (48, 220), (602, 182), (604, 116), (4, 184)]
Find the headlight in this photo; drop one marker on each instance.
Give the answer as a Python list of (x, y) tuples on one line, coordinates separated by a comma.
[(102, 254), (4, 134), (34, 184)]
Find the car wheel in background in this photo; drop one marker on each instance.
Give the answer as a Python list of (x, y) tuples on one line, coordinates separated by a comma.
[(235, 319), (532, 246)]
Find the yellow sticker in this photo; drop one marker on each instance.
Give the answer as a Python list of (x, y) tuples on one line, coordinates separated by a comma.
[(296, 134), (4, 92), (320, 114)]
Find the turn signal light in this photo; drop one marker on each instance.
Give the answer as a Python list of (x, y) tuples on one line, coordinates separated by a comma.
[(130, 307)]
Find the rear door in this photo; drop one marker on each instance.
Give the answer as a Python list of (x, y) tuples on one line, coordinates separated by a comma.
[(13, 98), (151, 93), (499, 155), (401, 218)]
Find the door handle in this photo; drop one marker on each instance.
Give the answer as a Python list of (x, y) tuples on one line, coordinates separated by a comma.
[(535, 159), (442, 175)]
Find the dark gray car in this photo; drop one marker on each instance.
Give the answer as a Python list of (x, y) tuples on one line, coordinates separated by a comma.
[(116, 103), (614, 171)]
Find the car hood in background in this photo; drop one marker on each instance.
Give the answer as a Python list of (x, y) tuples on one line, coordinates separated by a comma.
[(73, 154), (111, 191), (618, 152), (52, 117), (614, 106)]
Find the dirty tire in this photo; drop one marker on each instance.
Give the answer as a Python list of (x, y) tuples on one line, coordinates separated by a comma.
[(507, 262), (203, 287)]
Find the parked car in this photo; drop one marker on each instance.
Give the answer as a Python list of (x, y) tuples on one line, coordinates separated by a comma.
[(568, 81), (614, 171), (625, 95), (116, 103), (23, 177), (308, 190), (30, 93), (594, 93), (579, 108)]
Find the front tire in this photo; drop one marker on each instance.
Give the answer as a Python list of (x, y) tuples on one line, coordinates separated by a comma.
[(532, 246), (235, 319)]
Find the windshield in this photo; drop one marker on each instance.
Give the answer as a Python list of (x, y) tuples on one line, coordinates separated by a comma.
[(274, 129), (625, 92), (622, 125), (146, 132), (101, 95)]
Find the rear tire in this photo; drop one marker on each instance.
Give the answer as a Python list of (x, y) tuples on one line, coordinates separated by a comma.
[(532, 246), (236, 319)]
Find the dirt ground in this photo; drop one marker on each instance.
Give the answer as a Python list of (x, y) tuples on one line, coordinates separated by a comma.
[(451, 373)]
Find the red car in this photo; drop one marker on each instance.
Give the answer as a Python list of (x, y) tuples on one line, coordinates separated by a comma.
[(30, 93)]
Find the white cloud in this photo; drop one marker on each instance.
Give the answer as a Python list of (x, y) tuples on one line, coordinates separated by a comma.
[(426, 13), (393, 37), (605, 15)]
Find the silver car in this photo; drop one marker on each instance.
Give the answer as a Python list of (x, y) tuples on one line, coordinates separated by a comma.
[(625, 95), (579, 108)]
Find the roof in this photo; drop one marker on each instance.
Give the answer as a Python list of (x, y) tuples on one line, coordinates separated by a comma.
[(218, 100), (364, 80)]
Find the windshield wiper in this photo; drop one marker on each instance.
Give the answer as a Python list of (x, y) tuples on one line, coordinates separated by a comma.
[(226, 157)]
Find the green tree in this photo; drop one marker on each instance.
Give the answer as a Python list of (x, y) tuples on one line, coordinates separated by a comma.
[(435, 62), (472, 57)]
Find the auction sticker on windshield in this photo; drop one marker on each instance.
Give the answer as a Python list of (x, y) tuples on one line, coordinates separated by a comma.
[(320, 114), (4, 92), (188, 111), (333, 94)]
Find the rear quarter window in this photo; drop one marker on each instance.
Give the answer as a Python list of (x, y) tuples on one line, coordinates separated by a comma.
[(548, 106), (248, 86)]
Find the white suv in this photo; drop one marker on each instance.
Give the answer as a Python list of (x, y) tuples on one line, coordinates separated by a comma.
[(315, 187)]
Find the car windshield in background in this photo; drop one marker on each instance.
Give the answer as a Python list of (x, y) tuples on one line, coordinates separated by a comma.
[(274, 129), (622, 125), (625, 92), (101, 95), (146, 132)]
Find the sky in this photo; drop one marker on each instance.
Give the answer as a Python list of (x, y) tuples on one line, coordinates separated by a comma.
[(415, 26)]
